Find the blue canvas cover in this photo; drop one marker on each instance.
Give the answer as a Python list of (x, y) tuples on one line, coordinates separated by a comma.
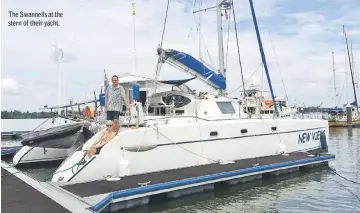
[(195, 67)]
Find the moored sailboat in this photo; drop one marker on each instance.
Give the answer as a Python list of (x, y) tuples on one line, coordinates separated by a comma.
[(198, 129)]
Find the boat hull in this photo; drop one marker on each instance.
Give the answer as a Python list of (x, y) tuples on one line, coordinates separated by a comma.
[(355, 123), (29, 154), (179, 144)]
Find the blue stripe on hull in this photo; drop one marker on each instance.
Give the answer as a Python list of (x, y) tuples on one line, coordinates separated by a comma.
[(157, 187)]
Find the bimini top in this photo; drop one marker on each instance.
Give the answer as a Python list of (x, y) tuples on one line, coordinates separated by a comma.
[(189, 64)]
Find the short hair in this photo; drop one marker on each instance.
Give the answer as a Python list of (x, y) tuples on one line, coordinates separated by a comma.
[(114, 76)]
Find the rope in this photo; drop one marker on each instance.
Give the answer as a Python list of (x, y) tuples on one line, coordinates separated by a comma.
[(113, 175), (215, 161), (238, 49), (344, 187), (206, 47), (81, 160), (246, 80), (277, 62), (41, 124), (351, 181)]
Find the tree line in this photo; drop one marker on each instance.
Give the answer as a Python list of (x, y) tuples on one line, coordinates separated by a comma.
[(16, 114)]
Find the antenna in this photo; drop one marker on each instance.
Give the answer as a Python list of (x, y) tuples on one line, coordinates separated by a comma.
[(334, 78)]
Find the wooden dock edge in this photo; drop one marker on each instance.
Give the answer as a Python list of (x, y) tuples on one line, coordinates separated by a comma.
[(60, 196)]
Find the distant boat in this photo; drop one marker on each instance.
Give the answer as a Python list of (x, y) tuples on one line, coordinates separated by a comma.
[(338, 115)]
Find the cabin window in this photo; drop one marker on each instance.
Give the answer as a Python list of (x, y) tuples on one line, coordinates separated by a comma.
[(243, 131), (226, 107), (179, 100), (160, 111), (179, 112), (150, 109)]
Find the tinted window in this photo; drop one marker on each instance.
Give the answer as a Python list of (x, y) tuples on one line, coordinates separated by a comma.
[(179, 100), (226, 107)]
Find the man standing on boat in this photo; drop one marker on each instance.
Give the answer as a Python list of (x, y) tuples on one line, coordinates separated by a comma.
[(113, 99)]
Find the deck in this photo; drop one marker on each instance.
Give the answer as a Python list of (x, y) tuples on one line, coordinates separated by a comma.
[(18, 196), (22, 193), (130, 187)]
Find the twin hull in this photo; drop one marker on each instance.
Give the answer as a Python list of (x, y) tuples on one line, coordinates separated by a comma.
[(28, 154), (181, 142)]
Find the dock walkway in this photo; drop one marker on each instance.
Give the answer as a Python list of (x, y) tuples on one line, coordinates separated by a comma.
[(22, 193)]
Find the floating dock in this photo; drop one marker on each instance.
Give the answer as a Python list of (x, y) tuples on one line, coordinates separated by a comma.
[(10, 150), (131, 191), (12, 134)]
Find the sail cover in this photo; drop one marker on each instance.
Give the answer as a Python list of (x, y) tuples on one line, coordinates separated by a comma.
[(193, 66)]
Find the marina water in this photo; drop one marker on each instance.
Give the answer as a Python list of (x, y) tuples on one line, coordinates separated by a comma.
[(318, 190)]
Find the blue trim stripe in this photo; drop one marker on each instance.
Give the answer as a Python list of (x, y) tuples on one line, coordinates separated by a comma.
[(14, 132), (9, 151), (161, 186)]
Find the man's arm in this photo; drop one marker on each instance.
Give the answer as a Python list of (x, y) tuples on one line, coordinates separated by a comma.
[(106, 101)]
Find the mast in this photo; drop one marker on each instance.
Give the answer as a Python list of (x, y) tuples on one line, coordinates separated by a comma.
[(351, 70), (353, 64), (199, 30), (263, 55), (220, 41), (334, 78)]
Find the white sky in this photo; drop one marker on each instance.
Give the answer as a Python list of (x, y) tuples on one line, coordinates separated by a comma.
[(97, 35)]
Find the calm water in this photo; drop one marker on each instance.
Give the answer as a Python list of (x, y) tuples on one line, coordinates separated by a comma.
[(319, 190)]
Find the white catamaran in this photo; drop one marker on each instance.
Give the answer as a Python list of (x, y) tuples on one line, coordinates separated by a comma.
[(192, 130)]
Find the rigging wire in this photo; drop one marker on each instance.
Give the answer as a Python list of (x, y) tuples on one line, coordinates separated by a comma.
[(238, 49), (159, 62), (206, 47), (163, 32), (246, 80), (277, 63)]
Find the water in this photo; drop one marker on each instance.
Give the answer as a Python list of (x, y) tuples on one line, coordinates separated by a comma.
[(319, 190)]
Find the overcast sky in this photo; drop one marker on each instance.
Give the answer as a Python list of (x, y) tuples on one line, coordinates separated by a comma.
[(97, 35)]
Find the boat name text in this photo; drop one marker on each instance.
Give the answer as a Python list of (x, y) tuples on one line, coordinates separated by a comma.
[(307, 136)]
